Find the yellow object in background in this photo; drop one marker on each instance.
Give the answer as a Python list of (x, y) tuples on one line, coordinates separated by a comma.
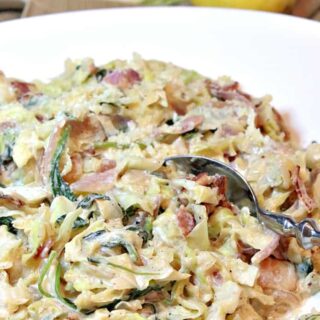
[(265, 5)]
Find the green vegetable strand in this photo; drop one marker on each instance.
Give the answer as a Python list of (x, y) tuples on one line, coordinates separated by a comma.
[(133, 254), (58, 186), (87, 201), (57, 288), (43, 273), (8, 221)]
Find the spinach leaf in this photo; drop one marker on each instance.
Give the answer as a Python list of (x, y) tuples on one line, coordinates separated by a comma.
[(101, 74), (87, 201), (8, 221), (190, 134), (129, 212), (117, 241), (144, 227), (2, 185), (133, 294), (93, 235), (58, 186), (78, 223)]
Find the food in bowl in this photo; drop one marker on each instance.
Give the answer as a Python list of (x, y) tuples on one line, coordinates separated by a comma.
[(94, 227)]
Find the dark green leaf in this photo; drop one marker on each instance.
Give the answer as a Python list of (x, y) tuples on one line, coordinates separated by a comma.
[(2, 185), (129, 212), (58, 186), (93, 235), (117, 241), (135, 293), (190, 134), (87, 201), (93, 260), (8, 221), (78, 223), (144, 228), (101, 74), (6, 156)]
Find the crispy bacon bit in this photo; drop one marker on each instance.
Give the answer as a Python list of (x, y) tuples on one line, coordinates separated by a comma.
[(245, 252), (22, 88), (107, 164), (95, 182), (87, 131), (275, 274), (230, 92), (217, 278), (301, 190), (203, 179), (215, 181), (10, 202), (176, 102), (190, 123), (186, 125), (40, 118), (120, 122), (44, 250), (185, 220), (123, 79)]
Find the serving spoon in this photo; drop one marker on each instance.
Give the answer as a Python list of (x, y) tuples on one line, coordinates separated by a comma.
[(241, 194)]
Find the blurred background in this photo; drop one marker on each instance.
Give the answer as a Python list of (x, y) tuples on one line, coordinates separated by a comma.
[(15, 9)]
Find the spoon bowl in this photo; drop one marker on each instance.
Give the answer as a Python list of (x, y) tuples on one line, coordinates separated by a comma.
[(240, 193)]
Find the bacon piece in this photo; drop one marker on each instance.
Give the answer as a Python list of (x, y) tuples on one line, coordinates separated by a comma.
[(230, 92), (185, 220), (88, 131), (10, 202), (107, 164), (217, 278), (22, 88), (186, 125), (95, 182), (268, 250), (245, 252), (215, 181), (176, 102), (300, 189), (275, 274), (123, 79), (43, 250)]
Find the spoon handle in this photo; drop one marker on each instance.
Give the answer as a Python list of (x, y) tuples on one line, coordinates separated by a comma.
[(306, 232)]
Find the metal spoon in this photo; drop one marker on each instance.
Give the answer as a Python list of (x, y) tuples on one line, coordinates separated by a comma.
[(241, 194)]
